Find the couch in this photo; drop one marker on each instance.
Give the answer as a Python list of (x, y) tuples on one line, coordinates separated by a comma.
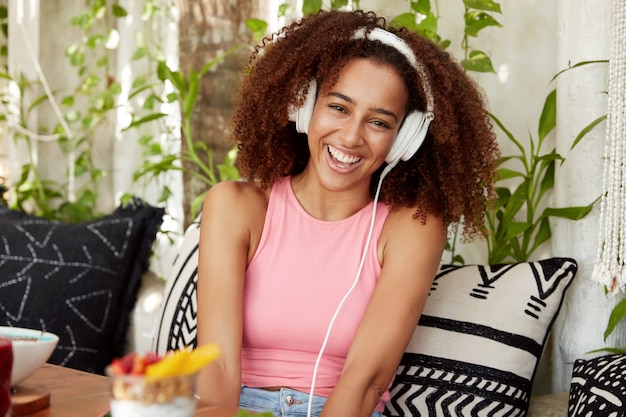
[(474, 352)]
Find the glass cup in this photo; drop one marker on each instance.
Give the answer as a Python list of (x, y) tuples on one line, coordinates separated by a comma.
[(6, 364), (139, 396)]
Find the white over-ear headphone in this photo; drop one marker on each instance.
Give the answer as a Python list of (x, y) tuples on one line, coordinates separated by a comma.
[(415, 125)]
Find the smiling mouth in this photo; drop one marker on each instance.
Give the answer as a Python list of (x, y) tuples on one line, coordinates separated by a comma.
[(341, 157)]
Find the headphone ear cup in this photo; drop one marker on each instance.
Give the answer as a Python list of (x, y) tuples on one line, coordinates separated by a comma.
[(410, 137), (302, 116)]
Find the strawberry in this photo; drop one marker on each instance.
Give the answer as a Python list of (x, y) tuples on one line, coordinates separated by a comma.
[(139, 366)]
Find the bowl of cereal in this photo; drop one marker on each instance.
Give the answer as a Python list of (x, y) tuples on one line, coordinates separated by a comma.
[(31, 349)]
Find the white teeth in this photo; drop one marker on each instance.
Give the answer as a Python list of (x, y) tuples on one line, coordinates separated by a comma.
[(342, 157)]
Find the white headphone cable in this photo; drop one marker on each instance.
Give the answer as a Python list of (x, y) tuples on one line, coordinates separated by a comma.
[(345, 297)]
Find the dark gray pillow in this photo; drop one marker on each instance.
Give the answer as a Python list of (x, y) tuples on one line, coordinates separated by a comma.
[(79, 281)]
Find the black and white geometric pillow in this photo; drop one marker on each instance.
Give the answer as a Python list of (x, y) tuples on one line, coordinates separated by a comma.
[(477, 345), (77, 280), (177, 324), (598, 387)]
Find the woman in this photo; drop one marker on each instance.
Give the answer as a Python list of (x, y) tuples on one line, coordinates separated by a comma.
[(311, 277)]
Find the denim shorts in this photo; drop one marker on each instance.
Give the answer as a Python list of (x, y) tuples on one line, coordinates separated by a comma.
[(283, 403)]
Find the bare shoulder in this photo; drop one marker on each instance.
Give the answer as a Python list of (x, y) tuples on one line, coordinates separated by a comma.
[(234, 199), (235, 211), (402, 222), (408, 239)]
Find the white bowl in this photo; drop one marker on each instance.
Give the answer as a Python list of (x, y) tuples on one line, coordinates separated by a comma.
[(31, 349)]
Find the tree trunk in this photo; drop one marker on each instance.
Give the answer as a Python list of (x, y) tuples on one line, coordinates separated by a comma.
[(206, 29)]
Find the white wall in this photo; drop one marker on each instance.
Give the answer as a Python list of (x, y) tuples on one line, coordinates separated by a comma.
[(584, 34)]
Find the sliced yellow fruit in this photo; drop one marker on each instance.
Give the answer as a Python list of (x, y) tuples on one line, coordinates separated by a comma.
[(183, 361), (199, 358), (169, 365)]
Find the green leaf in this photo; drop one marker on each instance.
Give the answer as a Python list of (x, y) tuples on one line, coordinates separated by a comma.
[(571, 213), (505, 174), (338, 4), (311, 7), (617, 314), (508, 134), (140, 53), (478, 61), (428, 27), (405, 20), (516, 202), (119, 11), (544, 233), (284, 9), (477, 21), (258, 28), (145, 119), (421, 6), (547, 120), (587, 129), (514, 229), (488, 5), (218, 58), (192, 94), (548, 179), (580, 64), (177, 79)]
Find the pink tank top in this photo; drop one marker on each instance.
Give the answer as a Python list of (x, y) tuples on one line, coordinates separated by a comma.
[(296, 279)]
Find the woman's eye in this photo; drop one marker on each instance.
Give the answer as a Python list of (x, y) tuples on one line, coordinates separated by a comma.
[(337, 108), (381, 124)]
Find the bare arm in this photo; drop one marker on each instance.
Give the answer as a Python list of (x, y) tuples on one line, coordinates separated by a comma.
[(230, 223), (411, 252)]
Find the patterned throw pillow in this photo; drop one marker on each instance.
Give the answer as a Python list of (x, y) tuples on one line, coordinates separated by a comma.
[(78, 281), (474, 352), (177, 324), (598, 387), (477, 345)]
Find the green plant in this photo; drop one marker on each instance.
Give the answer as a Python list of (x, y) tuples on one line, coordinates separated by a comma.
[(86, 109), (89, 108), (196, 158), (519, 223)]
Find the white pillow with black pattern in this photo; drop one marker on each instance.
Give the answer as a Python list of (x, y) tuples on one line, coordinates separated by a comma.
[(176, 327), (477, 345)]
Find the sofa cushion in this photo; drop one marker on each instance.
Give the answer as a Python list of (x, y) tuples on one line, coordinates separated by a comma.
[(598, 387), (479, 340), (176, 327), (78, 281)]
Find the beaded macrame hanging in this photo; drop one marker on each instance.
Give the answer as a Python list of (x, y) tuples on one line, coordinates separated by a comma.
[(610, 267)]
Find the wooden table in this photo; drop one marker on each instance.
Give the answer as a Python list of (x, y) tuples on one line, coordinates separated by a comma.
[(76, 393)]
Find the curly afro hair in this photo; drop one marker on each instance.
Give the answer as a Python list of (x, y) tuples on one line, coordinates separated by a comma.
[(452, 174)]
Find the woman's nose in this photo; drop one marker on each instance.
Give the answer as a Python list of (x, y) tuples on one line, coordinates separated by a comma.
[(352, 133)]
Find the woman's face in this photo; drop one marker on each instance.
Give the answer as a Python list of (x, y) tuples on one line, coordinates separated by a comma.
[(354, 124)]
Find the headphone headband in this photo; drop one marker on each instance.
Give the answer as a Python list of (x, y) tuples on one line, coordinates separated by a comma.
[(390, 39)]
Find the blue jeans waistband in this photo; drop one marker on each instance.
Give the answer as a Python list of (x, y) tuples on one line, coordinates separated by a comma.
[(282, 403)]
